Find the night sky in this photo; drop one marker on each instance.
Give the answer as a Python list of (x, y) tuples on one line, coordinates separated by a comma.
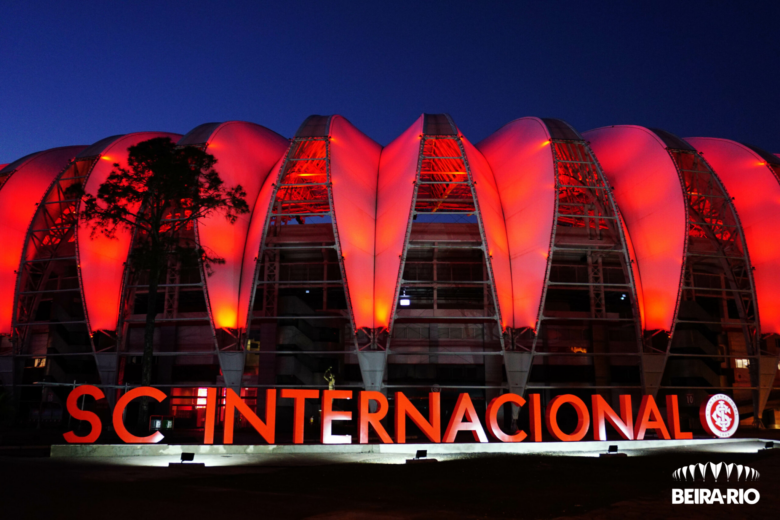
[(75, 72)]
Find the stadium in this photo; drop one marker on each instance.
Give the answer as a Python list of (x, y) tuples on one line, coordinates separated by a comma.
[(623, 260)]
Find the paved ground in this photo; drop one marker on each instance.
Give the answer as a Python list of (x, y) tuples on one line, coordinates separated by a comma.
[(35, 486)]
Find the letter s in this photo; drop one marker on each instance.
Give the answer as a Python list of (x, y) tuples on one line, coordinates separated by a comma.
[(72, 405)]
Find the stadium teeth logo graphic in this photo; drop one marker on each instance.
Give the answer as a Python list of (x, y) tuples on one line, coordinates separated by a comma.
[(719, 416), (711, 470)]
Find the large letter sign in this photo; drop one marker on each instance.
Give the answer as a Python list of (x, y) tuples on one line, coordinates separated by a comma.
[(329, 415), (464, 407), (583, 418), (492, 418), (266, 429), (719, 416), (119, 411), (365, 417), (82, 415), (602, 413)]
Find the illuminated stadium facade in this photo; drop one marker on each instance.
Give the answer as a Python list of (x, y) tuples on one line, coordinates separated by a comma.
[(618, 261)]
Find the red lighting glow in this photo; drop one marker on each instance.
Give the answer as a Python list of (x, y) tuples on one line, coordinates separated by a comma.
[(102, 259), (647, 189), (524, 176), (463, 418), (245, 154), (755, 190), (368, 190), (21, 195)]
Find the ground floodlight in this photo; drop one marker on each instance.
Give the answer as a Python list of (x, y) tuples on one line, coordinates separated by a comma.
[(186, 461), (612, 453), (421, 457)]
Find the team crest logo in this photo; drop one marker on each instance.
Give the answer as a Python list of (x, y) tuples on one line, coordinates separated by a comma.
[(719, 416)]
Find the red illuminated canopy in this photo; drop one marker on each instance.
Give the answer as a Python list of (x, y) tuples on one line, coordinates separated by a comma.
[(397, 170), (354, 162), (372, 191), (102, 259), (648, 192), (752, 180), (23, 185), (520, 156), (245, 154)]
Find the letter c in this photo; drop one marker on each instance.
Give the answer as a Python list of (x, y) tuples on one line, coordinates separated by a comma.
[(492, 417), (119, 409)]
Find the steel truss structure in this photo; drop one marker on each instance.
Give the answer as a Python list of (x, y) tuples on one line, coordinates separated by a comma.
[(445, 308), (300, 299), (183, 306), (50, 322), (717, 295), (588, 315)]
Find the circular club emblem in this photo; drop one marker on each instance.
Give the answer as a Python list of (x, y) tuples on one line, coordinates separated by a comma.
[(719, 416)]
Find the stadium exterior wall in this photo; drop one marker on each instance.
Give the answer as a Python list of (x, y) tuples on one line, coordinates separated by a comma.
[(539, 259)]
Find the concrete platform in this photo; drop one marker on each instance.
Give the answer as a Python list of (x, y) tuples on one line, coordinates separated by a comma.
[(308, 454)]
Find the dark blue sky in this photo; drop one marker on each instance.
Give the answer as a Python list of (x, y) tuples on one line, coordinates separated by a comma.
[(72, 75)]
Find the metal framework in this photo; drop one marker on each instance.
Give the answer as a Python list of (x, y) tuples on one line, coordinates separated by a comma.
[(182, 302), (588, 313), (50, 330), (300, 295), (49, 262), (446, 284), (717, 292)]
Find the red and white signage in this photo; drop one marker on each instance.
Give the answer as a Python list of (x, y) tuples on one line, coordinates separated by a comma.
[(719, 416), (464, 417)]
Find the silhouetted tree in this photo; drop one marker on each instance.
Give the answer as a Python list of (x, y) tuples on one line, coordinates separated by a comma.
[(164, 189)]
